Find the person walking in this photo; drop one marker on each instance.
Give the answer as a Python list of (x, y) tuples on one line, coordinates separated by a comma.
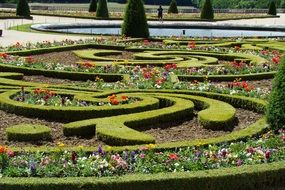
[(160, 13)]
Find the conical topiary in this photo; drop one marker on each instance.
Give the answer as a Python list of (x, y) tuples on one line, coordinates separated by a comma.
[(93, 6), (23, 8), (207, 10), (173, 7), (102, 9), (276, 107), (272, 8), (135, 23)]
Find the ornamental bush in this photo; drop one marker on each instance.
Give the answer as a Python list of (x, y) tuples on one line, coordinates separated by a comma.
[(207, 11), (102, 9), (23, 8), (93, 6), (135, 23), (272, 8), (276, 107), (173, 7)]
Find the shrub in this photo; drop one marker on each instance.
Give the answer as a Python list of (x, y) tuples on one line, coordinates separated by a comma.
[(23, 8), (272, 8), (173, 7), (276, 107), (135, 23), (93, 6), (27, 132), (207, 11), (282, 4), (102, 9)]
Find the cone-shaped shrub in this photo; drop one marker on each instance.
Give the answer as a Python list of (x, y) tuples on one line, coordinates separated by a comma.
[(102, 9), (93, 6), (207, 10), (272, 8), (135, 23), (173, 7), (276, 107), (23, 8)]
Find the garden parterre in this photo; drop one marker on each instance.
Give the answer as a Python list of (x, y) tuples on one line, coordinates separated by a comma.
[(161, 95)]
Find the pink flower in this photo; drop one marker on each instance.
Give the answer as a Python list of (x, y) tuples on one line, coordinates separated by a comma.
[(142, 156), (173, 156)]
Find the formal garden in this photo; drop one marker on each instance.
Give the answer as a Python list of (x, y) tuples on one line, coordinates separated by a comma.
[(143, 112)]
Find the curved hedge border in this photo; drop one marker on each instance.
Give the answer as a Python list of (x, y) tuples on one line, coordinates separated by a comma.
[(264, 177), (72, 113)]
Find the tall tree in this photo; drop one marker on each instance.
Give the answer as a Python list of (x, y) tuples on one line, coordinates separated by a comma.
[(135, 22), (102, 9), (23, 8)]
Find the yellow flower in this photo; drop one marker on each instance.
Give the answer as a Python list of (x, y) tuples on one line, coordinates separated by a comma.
[(80, 147), (151, 146), (60, 144)]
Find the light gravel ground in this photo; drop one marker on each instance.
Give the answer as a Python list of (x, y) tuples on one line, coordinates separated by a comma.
[(11, 37)]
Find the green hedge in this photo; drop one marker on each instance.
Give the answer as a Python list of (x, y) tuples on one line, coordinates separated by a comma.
[(244, 77), (28, 132), (117, 130), (62, 74), (72, 113), (262, 176)]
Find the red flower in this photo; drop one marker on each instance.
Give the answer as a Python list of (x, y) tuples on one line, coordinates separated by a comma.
[(276, 60), (29, 59), (124, 97), (237, 48), (173, 156), (115, 101), (4, 55), (267, 154), (145, 42), (283, 138), (191, 44)]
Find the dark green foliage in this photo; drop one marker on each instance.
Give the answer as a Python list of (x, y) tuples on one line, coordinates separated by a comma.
[(135, 23), (173, 7), (102, 9), (282, 4), (23, 8), (93, 6), (272, 8), (276, 107), (207, 12)]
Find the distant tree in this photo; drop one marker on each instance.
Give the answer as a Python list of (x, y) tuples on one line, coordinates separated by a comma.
[(207, 11), (135, 22), (173, 7), (102, 9), (2, 1), (93, 6), (272, 8), (23, 8), (282, 4)]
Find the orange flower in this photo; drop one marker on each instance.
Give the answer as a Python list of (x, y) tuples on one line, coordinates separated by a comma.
[(112, 97), (4, 55), (29, 59), (2, 149), (115, 101)]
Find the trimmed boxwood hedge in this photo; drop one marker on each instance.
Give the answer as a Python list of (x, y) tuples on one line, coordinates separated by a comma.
[(251, 177), (72, 113), (28, 132)]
